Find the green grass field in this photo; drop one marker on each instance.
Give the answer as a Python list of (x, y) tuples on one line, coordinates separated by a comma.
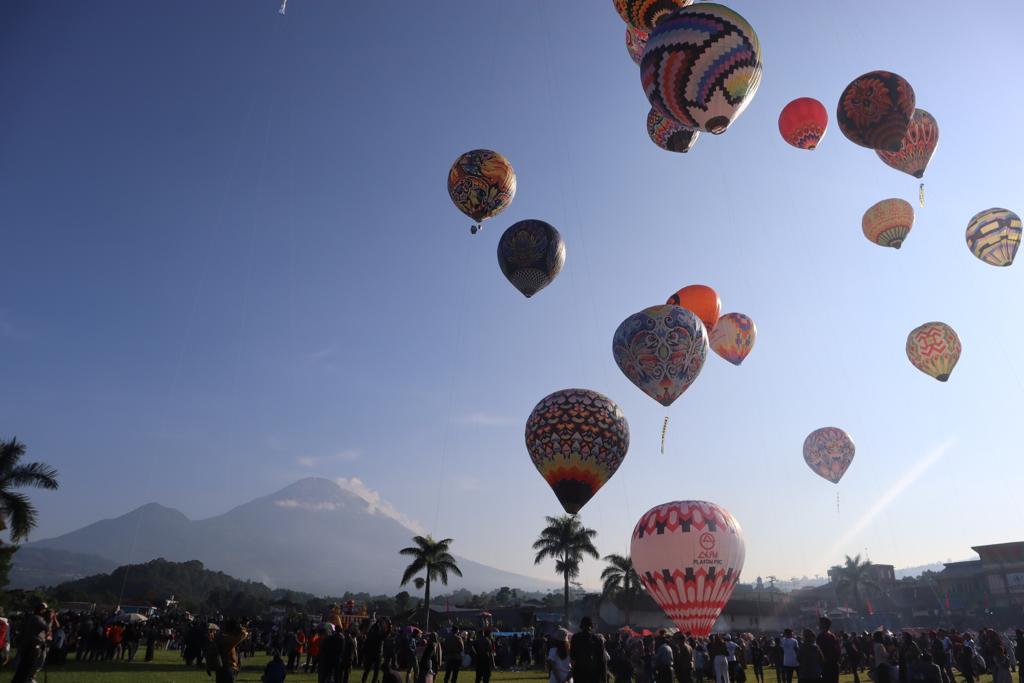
[(169, 668)]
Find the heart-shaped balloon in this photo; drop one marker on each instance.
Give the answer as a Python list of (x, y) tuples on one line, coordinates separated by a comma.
[(689, 555), (829, 451), (661, 349)]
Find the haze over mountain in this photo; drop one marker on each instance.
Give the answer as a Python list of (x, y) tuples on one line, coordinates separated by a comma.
[(312, 536)]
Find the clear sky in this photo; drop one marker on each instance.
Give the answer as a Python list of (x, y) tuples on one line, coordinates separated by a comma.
[(230, 262)]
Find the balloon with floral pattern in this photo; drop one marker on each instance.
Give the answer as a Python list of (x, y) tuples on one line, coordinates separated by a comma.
[(481, 184), (828, 452), (636, 41), (644, 15), (668, 134), (803, 123), (661, 350), (888, 222), (917, 147)]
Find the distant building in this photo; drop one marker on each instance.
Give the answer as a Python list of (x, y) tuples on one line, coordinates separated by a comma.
[(994, 582), (882, 574)]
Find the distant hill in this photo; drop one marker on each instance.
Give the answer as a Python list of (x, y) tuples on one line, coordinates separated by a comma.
[(311, 536), (46, 567)]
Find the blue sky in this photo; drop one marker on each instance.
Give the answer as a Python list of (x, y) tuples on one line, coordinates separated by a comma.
[(231, 262)]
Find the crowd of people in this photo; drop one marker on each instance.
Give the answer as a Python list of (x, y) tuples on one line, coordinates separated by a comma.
[(380, 652)]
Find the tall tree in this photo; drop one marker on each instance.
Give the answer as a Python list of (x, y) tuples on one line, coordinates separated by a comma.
[(853, 579), (17, 512), (621, 581), (433, 559), (566, 541)]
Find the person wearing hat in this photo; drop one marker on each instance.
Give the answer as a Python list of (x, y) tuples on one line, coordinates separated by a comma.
[(32, 643)]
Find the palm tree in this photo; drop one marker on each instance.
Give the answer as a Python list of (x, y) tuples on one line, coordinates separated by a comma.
[(853, 579), (433, 558), (16, 511), (621, 580), (565, 540)]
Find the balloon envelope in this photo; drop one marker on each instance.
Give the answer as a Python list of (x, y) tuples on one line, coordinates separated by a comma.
[(644, 15), (993, 236), (934, 349), (481, 184), (803, 122), (689, 555), (702, 66), (531, 253), (875, 110), (917, 147), (701, 300), (668, 134), (661, 349), (577, 438), (828, 452), (733, 337), (888, 222), (636, 41)]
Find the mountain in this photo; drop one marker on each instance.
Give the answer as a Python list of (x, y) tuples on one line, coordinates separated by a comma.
[(42, 567), (312, 536)]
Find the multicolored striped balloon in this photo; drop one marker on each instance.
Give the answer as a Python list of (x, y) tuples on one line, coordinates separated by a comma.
[(733, 337), (934, 349), (577, 438), (636, 41), (702, 66), (888, 222), (803, 122), (689, 555), (644, 15), (531, 254), (828, 452), (917, 147), (875, 110), (993, 236), (669, 135), (661, 350)]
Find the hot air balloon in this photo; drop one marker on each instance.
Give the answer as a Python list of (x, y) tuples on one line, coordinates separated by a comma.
[(577, 438), (636, 41), (644, 15), (700, 299), (481, 183), (733, 337), (993, 236), (668, 134), (531, 253), (829, 452), (689, 555), (934, 349), (803, 122), (875, 110), (661, 349), (888, 222), (702, 66), (917, 146)]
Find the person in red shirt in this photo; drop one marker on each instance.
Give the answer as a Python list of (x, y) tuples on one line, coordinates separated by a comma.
[(312, 652)]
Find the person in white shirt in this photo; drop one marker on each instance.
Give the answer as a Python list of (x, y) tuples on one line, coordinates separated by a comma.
[(790, 663), (559, 664)]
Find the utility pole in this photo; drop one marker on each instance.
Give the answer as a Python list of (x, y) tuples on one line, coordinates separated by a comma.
[(771, 587)]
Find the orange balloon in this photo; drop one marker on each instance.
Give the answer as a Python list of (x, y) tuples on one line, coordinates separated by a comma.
[(700, 300)]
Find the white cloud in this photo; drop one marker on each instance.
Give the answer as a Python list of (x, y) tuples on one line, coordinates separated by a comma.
[(313, 461), (304, 505), (377, 505), (486, 419)]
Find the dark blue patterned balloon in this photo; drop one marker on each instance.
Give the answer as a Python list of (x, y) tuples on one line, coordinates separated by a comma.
[(531, 253)]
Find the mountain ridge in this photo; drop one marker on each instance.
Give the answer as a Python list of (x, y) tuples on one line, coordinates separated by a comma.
[(312, 535)]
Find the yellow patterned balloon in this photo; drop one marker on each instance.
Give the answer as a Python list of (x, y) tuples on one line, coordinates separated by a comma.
[(993, 236), (934, 348), (888, 222), (481, 184), (733, 337)]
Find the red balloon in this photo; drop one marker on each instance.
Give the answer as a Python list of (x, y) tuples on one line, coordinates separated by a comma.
[(803, 122), (700, 300)]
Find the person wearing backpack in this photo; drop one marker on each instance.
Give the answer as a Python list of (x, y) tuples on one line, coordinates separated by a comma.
[(586, 650)]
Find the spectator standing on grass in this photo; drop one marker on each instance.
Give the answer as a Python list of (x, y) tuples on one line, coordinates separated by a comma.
[(559, 664), (811, 659), (831, 652), (483, 657), (453, 651), (331, 646), (586, 651), (719, 655), (32, 644), (682, 655), (790, 659), (275, 671), (373, 650)]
